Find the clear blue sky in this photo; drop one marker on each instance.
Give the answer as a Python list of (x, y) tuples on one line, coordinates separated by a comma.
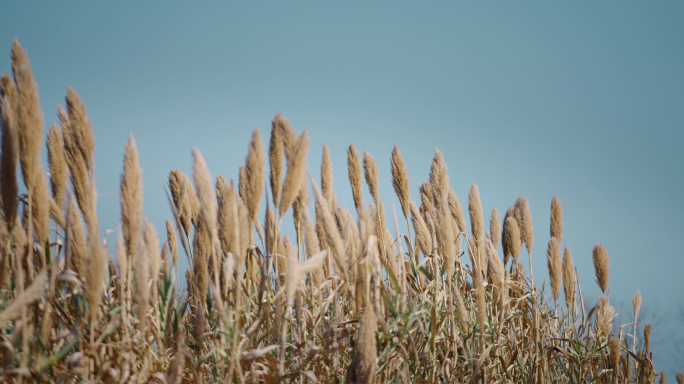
[(584, 100)]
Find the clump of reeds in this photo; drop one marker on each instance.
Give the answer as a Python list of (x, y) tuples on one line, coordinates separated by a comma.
[(341, 298)]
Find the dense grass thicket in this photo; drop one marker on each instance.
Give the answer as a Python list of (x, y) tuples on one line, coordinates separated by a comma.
[(345, 298)]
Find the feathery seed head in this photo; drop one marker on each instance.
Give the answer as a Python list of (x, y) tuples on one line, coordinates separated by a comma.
[(59, 172), (525, 221), (370, 167), (296, 173), (276, 151), (332, 235), (8, 159), (605, 314), (569, 278), (172, 242), (205, 193), (553, 259), (495, 227), (457, 211), (400, 180), (327, 176), (439, 177), (255, 168), (80, 123), (427, 197), (636, 303), (615, 353), (288, 135), (505, 237), (423, 237), (601, 266), (131, 195), (355, 176), (647, 337), (29, 116), (476, 219), (512, 233), (152, 250), (556, 219), (365, 354)]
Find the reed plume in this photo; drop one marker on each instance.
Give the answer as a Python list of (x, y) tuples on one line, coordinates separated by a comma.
[(423, 237), (636, 304), (30, 137), (569, 278), (601, 266), (365, 353), (289, 136), (97, 268), (201, 248), (172, 242), (553, 260), (8, 160), (615, 354), (680, 378), (77, 257), (439, 177), (75, 160), (327, 176), (332, 235), (276, 151), (476, 223), (29, 116), (647, 337), (447, 236), (604, 316), (495, 228), (505, 236), (81, 126), (496, 267), (131, 195), (59, 172), (427, 197), (556, 219), (180, 199), (525, 220), (40, 200), (457, 211), (9, 89), (400, 180), (370, 167), (512, 234), (296, 271), (255, 167), (296, 173), (205, 192), (152, 250), (355, 176)]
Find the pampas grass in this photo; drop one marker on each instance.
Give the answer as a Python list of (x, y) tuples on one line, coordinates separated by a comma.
[(336, 300)]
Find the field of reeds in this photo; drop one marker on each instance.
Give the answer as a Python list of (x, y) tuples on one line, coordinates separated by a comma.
[(345, 298)]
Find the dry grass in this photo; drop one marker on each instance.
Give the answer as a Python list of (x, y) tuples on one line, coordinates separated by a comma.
[(341, 299)]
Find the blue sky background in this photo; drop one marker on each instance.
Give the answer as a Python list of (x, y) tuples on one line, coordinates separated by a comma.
[(582, 100)]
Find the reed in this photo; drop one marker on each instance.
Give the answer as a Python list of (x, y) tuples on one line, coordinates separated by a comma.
[(339, 299)]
